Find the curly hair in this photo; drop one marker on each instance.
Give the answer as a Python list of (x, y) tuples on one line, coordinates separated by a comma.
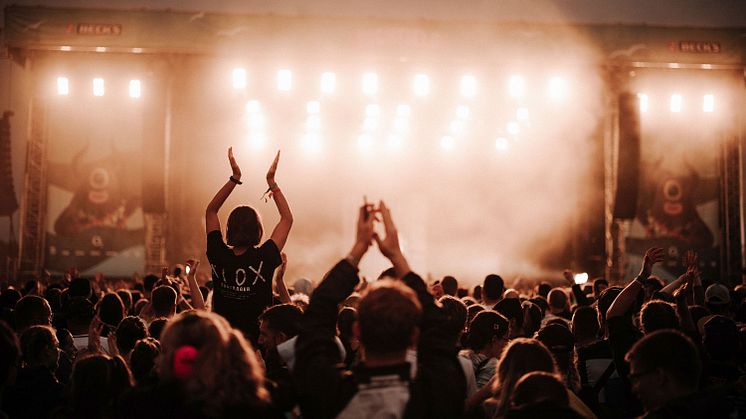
[(225, 371)]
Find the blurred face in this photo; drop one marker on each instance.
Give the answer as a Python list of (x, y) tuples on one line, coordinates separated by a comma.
[(268, 338)]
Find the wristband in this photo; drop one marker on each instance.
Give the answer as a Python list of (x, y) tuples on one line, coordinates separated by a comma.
[(234, 180)]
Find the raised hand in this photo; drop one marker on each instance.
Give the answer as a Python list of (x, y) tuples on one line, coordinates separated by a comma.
[(690, 259), (272, 170), (388, 245), (234, 166), (569, 278), (652, 256)]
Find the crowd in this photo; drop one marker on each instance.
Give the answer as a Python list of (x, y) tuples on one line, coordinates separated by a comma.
[(245, 345)]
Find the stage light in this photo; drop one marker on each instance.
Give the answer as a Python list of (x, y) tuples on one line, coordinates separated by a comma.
[(501, 144), (313, 123), (239, 78), (253, 106), (98, 86), (516, 87), (468, 86), (257, 141), (256, 121), (403, 110), (457, 127), (401, 124), (463, 112), (370, 84), (66, 48), (557, 88), (137, 50), (311, 142), (644, 104), (313, 107), (513, 128), (421, 86), (521, 114), (63, 86), (581, 278), (447, 142), (284, 80), (676, 103), (328, 82), (100, 49), (135, 88), (708, 103), (372, 110)]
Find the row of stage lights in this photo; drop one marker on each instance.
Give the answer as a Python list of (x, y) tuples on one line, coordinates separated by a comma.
[(98, 86), (557, 88), (676, 103)]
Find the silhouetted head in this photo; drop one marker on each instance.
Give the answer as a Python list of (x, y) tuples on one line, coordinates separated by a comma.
[(244, 227)]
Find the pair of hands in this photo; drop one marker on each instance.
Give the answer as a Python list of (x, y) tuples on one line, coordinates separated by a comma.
[(237, 170), (368, 215)]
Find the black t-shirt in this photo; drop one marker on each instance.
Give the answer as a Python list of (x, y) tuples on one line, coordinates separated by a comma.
[(242, 284)]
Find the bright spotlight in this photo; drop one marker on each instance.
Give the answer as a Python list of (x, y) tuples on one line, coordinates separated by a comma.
[(557, 88), (401, 124), (581, 278), (370, 123), (447, 142), (457, 127), (676, 103), (644, 104), (313, 107), (100, 49), (421, 86), (284, 80), (516, 87), (463, 112), (239, 78), (257, 142), (372, 110), (256, 122), (501, 144), (98, 86), (513, 128), (468, 86), (403, 110), (311, 142), (135, 88), (328, 82), (521, 114), (66, 48), (708, 104), (63, 86), (370, 84), (253, 106)]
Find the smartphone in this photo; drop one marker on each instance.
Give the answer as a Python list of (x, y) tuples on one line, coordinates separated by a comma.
[(187, 269)]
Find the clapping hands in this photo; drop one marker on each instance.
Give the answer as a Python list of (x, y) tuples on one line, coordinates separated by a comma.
[(389, 246)]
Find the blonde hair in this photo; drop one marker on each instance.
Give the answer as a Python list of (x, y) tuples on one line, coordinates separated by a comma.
[(225, 371)]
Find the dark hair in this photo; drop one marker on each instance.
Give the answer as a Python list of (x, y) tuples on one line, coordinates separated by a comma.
[(585, 322), (486, 325), (9, 298), (80, 287), (544, 288), (561, 343), (130, 330), (156, 327), (557, 298), (597, 284), (79, 312), (283, 318), (244, 227), (34, 341), (540, 386), (149, 282), (605, 300), (142, 360), (671, 351), (472, 311), (126, 298), (511, 309), (532, 317), (657, 315), (32, 310), (494, 286), (111, 309), (455, 313), (345, 319), (450, 285), (388, 314), (163, 300), (478, 292), (96, 383)]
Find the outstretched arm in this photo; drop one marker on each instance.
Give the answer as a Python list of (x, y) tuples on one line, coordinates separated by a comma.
[(282, 290), (282, 229), (624, 300), (212, 222), (197, 301)]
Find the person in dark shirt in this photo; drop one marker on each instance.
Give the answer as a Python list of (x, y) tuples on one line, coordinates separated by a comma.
[(241, 269)]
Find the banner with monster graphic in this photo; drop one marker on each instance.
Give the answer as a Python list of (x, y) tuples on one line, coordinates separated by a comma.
[(678, 201), (94, 213)]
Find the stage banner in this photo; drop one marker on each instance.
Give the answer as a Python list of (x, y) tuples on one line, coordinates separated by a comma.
[(678, 202), (94, 211)]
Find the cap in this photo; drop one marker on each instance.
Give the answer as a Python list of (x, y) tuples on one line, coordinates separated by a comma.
[(717, 294)]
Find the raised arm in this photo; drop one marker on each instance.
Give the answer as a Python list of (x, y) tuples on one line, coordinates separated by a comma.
[(212, 222), (580, 298), (282, 229), (197, 301), (624, 300), (282, 290)]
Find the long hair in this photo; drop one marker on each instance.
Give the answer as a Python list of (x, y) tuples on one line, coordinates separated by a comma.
[(519, 358), (224, 372), (244, 227)]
